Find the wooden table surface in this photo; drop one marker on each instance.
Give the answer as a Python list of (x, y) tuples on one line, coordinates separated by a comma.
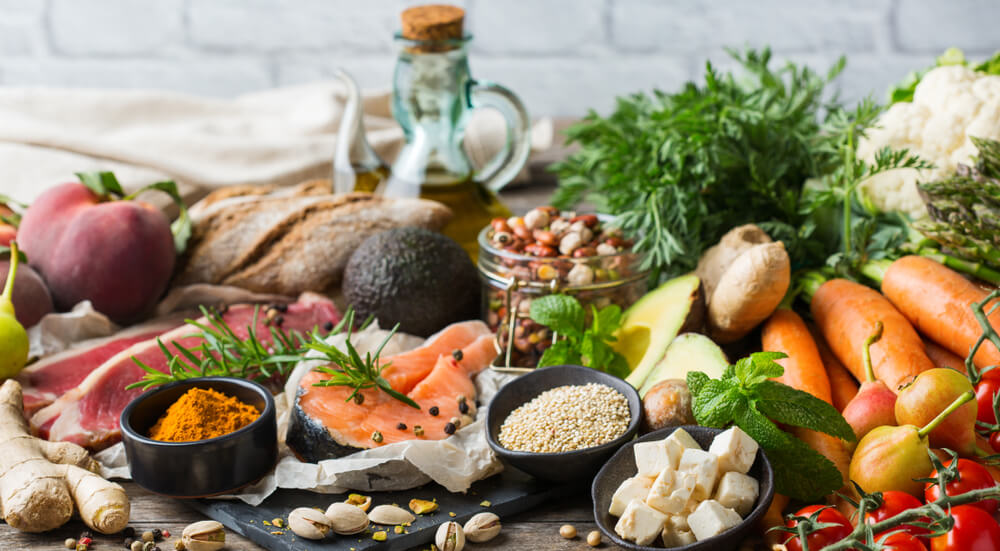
[(536, 529)]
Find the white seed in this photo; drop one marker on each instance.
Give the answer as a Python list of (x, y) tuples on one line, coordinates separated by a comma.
[(570, 242), (558, 226), (581, 274), (604, 249), (536, 219), (567, 418)]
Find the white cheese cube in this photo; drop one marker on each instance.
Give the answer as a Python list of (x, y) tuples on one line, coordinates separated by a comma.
[(738, 492), (735, 449), (704, 467), (676, 443), (640, 523), (651, 458), (678, 523), (671, 492), (711, 519), (676, 538), (636, 487)]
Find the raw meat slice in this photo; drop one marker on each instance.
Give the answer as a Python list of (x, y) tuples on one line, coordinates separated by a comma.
[(325, 424), (49, 378), (89, 414)]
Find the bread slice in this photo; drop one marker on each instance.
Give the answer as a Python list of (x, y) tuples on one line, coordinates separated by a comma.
[(290, 240)]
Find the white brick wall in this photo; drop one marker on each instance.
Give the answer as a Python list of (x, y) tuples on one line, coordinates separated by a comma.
[(562, 56)]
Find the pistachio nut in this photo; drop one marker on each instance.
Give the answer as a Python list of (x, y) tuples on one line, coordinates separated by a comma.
[(346, 519), (390, 515), (207, 535), (450, 537), (482, 527), (309, 523), (422, 506), (363, 502)]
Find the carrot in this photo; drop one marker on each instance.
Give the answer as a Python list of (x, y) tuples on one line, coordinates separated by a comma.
[(843, 387), (936, 300), (942, 357), (785, 332), (846, 311)]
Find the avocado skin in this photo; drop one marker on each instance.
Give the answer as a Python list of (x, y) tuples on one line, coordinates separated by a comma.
[(418, 278)]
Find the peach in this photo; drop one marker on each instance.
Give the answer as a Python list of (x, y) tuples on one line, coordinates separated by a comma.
[(31, 297), (119, 254)]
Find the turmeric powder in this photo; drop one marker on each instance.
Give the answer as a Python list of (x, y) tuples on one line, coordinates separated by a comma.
[(200, 414)]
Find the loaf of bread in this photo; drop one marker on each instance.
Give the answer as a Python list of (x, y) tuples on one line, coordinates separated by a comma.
[(293, 239)]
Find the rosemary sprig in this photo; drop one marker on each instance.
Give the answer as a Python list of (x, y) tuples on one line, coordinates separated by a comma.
[(353, 371)]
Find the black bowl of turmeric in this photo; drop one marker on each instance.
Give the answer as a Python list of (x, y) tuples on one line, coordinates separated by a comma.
[(200, 437)]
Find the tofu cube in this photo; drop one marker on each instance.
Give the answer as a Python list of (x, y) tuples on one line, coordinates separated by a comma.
[(735, 449), (636, 487), (711, 519), (651, 458), (676, 443), (678, 523), (704, 467), (676, 538), (640, 523), (671, 492), (738, 492)]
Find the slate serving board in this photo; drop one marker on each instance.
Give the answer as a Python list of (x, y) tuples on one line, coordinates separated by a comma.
[(509, 492)]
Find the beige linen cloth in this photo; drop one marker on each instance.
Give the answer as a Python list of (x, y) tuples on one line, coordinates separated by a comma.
[(281, 136)]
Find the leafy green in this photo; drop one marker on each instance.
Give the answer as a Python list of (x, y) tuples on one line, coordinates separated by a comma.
[(681, 169), (747, 397), (577, 343)]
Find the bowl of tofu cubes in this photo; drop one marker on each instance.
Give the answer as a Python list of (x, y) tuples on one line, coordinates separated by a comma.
[(688, 488)]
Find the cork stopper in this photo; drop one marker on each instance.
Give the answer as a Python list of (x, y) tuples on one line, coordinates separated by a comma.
[(433, 23)]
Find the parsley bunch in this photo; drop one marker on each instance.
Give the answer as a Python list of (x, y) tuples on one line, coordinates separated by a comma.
[(579, 344), (746, 396)]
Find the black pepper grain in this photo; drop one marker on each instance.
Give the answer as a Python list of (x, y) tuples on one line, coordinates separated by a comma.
[(457, 354), (279, 320), (434, 411), (128, 532), (463, 407), (449, 428), (401, 426), (157, 534), (281, 308)]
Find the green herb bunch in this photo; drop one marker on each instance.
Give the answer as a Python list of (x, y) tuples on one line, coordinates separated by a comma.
[(680, 169), (746, 396), (578, 343)]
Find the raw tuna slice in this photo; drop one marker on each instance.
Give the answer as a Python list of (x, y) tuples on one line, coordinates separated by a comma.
[(325, 424), (88, 415), (46, 380)]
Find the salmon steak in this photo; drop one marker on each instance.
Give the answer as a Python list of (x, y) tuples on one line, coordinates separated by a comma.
[(325, 423)]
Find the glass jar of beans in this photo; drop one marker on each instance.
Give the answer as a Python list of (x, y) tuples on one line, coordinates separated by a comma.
[(550, 251)]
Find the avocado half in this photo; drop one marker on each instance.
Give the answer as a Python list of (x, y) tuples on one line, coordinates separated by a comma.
[(420, 279)]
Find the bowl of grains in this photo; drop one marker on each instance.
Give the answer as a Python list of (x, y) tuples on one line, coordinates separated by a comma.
[(563, 422)]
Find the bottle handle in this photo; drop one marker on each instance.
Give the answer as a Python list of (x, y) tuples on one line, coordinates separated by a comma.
[(505, 165)]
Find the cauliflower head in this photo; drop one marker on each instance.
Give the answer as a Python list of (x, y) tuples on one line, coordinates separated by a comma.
[(949, 104)]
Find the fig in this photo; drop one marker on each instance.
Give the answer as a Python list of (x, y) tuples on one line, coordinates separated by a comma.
[(929, 393)]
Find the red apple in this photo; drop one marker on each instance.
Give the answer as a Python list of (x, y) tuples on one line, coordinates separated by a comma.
[(119, 254)]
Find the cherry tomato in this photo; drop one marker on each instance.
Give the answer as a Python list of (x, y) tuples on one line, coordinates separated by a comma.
[(893, 503), (995, 441), (903, 541), (972, 476), (975, 530), (987, 387), (824, 537)]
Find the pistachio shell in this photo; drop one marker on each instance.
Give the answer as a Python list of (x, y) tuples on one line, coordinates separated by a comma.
[(309, 523), (450, 537), (207, 535), (482, 527), (390, 515), (346, 519)]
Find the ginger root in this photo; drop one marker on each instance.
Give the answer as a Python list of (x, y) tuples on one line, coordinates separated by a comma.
[(41, 481)]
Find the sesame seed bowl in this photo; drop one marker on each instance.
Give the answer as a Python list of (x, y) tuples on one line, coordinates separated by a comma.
[(561, 423)]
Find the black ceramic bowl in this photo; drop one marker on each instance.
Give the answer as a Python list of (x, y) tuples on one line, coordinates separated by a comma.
[(208, 467), (564, 466), (622, 466)]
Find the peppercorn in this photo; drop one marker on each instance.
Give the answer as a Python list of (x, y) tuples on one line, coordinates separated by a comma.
[(179, 545), (377, 437), (449, 428), (457, 354), (128, 543), (148, 546), (157, 534), (434, 411), (328, 326), (401, 426), (359, 399), (70, 543), (147, 536), (463, 407), (128, 532)]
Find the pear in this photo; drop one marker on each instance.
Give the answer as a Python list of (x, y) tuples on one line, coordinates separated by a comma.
[(874, 405), (928, 394), (891, 458), (13, 337)]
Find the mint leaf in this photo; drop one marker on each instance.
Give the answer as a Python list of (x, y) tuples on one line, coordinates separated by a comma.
[(716, 403), (560, 353), (696, 380), (762, 367), (607, 321), (799, 471), (559, 313), (790, 406), (618, 367)]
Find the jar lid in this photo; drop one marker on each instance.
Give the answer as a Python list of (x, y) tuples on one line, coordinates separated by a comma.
[(433, 22)]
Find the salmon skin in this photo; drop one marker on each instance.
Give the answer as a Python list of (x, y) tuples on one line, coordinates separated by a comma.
[(325, 424)]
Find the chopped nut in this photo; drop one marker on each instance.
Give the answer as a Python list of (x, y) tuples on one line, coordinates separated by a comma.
[(485, 503), (362, 502), (381, 535), (278, 522), (422, 506), (398, 529), (377, 437), (418, 430)]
